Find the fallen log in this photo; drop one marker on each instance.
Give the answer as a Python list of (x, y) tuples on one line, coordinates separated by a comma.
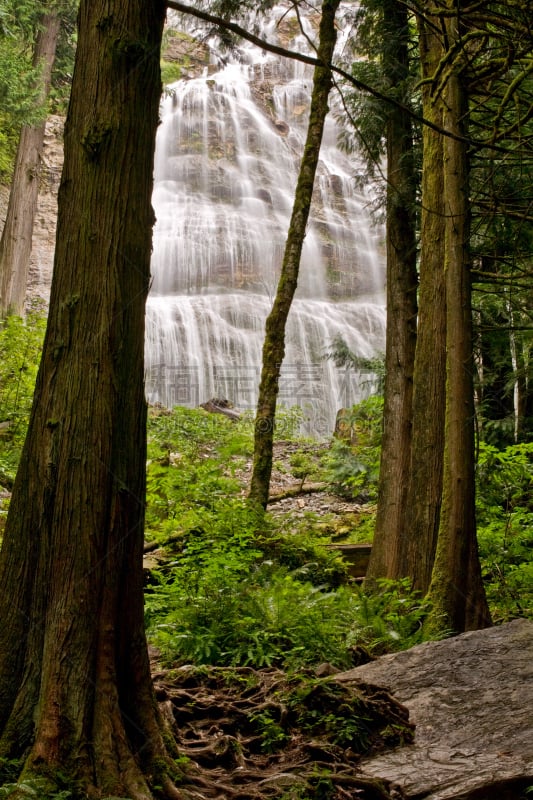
[(219, 406)]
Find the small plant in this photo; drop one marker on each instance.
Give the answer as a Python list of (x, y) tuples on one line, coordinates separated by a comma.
[(306, 463), (20, 351), (326, 708), (273, 735), (353, 467)]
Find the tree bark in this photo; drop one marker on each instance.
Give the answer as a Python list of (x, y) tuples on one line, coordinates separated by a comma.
[(429, 382), (456, 589), (274, 345), (75, 687), (16, 242), (389, 536)]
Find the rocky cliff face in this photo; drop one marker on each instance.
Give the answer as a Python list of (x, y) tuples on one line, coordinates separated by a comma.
[(44, 230)]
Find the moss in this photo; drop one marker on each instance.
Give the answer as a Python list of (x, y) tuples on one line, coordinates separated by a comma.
[(170, 71)]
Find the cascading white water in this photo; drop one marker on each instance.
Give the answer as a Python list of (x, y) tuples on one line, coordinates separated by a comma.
[(227, 158)]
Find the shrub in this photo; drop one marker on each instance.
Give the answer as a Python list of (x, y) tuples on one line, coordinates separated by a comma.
[(505, 528), (353, 467), (20, 352)]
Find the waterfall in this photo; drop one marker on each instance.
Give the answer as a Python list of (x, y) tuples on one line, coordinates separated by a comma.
[(227, 158)]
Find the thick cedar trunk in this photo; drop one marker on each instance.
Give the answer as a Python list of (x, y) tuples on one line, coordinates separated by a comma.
[(15, 245), (389, 536), (274, 345), (75, 687), (427, 449), (456, 590)]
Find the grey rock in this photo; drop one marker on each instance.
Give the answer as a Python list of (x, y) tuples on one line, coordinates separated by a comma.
[(471, 699)]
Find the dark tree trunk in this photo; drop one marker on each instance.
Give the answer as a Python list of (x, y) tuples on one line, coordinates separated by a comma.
[(427, 449), (15, 245), (75, 687), (274, 345), (389, 536), (456, 589)]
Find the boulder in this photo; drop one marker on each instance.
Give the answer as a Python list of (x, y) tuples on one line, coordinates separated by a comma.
[(471, 699)]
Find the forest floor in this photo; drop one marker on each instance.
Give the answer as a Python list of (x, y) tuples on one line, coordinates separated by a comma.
[(248, 734), (254, 734), (289, 494)]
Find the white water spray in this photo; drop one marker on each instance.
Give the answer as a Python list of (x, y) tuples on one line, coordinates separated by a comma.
[(227, 158)]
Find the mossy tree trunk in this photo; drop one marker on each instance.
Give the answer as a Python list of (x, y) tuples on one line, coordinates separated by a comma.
[(75, 687), (274, 345), (429, 381), (456, 589), (16, 241), (389, 536)]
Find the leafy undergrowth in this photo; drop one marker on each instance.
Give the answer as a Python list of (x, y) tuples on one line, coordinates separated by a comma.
[(505, 528), (247, 734), (20, 347), (231, 585)]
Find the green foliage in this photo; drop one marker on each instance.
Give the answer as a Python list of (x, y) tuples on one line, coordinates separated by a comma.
[(12, 783), (239, 610), (18, 78), (194, 462), (330, 713), (230, 593), (18, 97), (223, 603), (48, 785), (170, 72), (299, 544), (193, 457), (239, 586), (9, 770), (303, 465), (353, 462), (64, 60), (505, 527), (388, 619), (34, 789), (342, 356), (20, 350), (324, 709), (273, 735)]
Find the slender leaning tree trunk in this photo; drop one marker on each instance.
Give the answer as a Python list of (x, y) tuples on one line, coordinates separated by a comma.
[(15, 245), (456, 589), (274, 345), (429, 382), (75, 687), (389, 536)]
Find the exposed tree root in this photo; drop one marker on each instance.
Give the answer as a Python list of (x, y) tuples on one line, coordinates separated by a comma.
[(259, 734)]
